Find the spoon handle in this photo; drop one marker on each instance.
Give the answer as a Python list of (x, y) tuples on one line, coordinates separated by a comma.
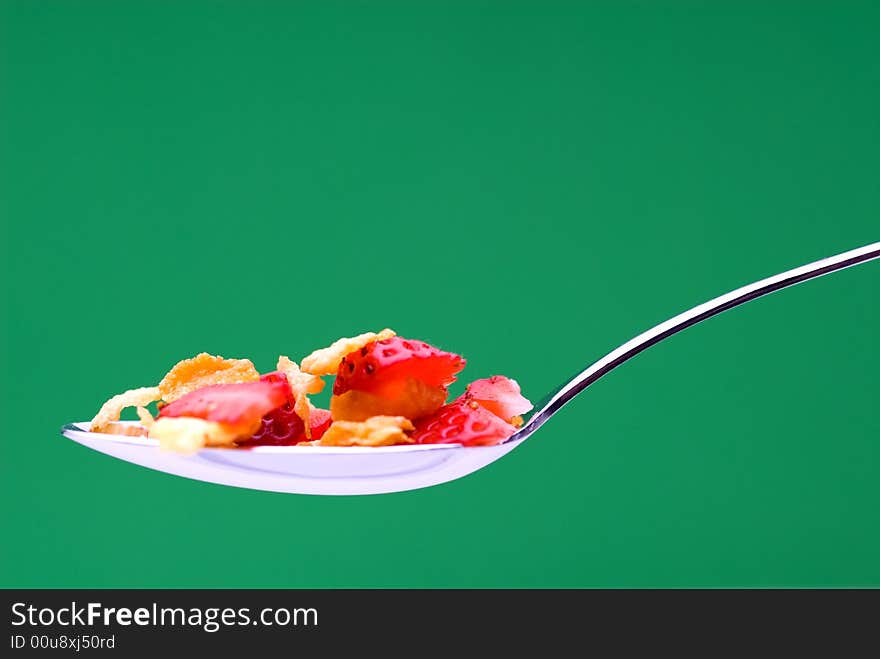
[(684, 320)]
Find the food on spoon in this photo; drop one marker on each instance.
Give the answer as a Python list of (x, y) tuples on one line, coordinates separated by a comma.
[(235, 405), (112, 409), (301, 385), (203, 370), (462, 422), (184, 434), (416, 400), (128, 429), (326, 360), (382, 366), (217, 415), (375, 431), (499, 395), (393, 377), (388, 390), (146, 418), (284, 427)]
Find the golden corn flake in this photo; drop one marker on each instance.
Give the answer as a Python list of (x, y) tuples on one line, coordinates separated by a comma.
[(111, 410), (375, 431), (146, 418), (299, 381), (303, 409), (187, 435), (326, 361), (127, 429), (301, 384), (203, 370)]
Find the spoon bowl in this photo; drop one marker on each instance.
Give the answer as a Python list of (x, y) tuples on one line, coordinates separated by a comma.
[(361, 470), (302, 469)]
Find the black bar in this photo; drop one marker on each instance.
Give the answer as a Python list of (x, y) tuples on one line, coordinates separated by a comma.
[(416, 622)]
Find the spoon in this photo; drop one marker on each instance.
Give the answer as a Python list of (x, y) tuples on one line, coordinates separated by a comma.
[(361, 470)]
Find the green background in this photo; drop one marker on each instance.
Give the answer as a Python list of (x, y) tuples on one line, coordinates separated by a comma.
[(528, 184)]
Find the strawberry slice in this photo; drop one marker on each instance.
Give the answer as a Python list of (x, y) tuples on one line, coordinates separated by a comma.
[(239, 405), (383, 367), (462, 422), (279, 377), (283, 427), (499, 395), (280, 427), (320, 420), (415, 400)]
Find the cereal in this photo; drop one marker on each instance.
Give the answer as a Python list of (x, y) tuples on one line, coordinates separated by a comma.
[(111, 410), (375, 431), (187, 435), (128, 429), (326, 361), (146, 418), (388, 390), (301, 384), (203, 370)]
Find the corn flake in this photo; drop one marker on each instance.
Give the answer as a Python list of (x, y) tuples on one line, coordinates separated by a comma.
[(204, 370), (301, 384), (111, 410), (146, 418), (326, 361), (187, 435), (127, 429), (375, 431)]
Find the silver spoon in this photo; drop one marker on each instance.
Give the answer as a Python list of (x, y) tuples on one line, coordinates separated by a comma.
[(358, 470), (550, 405)]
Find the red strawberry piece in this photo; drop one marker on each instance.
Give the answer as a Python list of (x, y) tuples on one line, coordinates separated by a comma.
[(274, 376), (499, 395), (382, 367), (283, 427), (280, 427), (233, 404), (462, 422), (278, 376), (320, 420)]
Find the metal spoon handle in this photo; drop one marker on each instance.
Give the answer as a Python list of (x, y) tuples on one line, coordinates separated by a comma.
[(684, 320)]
